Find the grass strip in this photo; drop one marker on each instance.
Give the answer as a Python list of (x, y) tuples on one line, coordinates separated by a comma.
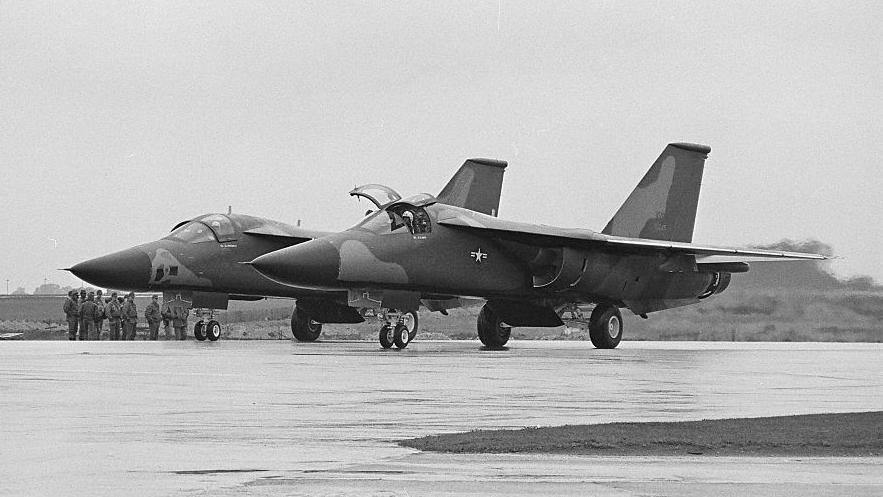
[(820, 435)]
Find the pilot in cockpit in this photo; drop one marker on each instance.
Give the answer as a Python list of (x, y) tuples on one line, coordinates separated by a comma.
[(408, 217)]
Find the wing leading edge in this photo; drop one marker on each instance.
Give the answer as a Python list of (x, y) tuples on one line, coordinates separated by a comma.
[(575, 237)]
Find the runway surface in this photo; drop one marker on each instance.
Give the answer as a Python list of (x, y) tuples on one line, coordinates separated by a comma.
[(276, 418)]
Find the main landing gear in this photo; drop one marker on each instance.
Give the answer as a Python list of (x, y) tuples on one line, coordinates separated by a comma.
[(206, 328), (491, 330), (398, 329), (303, 328), (605, 326)]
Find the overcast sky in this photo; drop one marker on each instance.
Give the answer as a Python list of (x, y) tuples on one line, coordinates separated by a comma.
[(119, 119)]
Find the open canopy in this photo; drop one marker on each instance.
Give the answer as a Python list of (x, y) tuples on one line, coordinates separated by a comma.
[(379, 195)]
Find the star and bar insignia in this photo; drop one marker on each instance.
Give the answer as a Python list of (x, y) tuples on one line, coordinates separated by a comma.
[(478, 255)]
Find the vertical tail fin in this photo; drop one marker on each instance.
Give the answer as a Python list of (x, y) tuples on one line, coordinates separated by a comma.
[(476, 186), (663, 205)]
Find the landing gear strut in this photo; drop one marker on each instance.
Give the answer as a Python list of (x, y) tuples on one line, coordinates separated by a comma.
[(303, 328), (399, 329), (491, 330), (605, 326)]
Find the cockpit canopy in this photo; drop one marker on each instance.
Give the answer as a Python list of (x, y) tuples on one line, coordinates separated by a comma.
[(221, 225), (208, 228), (379, 195), (409, 213)]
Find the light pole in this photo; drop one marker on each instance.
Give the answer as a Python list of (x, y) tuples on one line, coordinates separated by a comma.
[(7, 286)]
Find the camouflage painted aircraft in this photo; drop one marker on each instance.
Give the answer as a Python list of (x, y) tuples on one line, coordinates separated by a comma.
[(203, 260), (424, 247)]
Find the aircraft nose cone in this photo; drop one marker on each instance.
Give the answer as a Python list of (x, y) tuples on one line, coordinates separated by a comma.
[(313, 263), (126, 270)]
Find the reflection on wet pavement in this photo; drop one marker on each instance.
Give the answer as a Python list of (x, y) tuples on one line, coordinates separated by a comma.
[(198, 418)]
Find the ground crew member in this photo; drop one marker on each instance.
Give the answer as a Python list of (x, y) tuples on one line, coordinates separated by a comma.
[(87, 316), (130, 317), (166, 314), (180, 311), (83, 334), (113, 311), (99, 314), (153, 317), (72, 312)]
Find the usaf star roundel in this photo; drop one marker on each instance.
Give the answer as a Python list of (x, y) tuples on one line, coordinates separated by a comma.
[(478, 255)]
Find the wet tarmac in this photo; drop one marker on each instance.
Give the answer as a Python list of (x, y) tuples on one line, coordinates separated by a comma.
[(276, 418)]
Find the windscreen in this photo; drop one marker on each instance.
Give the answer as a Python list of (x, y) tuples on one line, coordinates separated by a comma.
[(193, 232)]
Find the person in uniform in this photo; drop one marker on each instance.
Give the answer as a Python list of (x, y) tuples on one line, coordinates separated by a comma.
[(130, 317), (180, 311), (113, 311), (87, 318), (166, 313), (72, 312), (83, 334), (153, 317), (99, 314)]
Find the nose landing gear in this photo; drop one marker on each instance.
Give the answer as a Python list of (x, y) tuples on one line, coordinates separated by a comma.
[(398, 329), (206, 328)]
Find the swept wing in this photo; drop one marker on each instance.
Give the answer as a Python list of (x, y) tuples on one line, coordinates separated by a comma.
[(543, 235)]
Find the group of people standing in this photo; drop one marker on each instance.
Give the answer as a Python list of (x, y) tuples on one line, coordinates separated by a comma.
[(86, 313)]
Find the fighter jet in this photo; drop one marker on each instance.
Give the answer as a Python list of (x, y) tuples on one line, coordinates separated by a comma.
[(424, 247), (204, 260)]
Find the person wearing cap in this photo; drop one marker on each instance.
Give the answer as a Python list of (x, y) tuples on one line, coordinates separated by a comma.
[(99, 314), (153, 317), (114, 313), (130, 317), (180, 310), (87, 316), (72, 312)]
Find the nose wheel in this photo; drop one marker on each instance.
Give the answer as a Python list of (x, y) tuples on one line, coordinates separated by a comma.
[(387, 336), (213, 330), (399, 329), (206, 328)]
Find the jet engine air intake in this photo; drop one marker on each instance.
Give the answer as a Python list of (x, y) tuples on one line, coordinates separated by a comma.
[(558, 268), (719, 282)]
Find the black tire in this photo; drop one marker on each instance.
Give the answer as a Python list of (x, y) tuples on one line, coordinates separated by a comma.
[(491, 331), (412, 322), (303, 328), (605, 326), (401, 336), (387, 336), (213, 330), (199, 331)]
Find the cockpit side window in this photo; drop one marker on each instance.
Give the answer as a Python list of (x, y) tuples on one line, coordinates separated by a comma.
[(193, 232)]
